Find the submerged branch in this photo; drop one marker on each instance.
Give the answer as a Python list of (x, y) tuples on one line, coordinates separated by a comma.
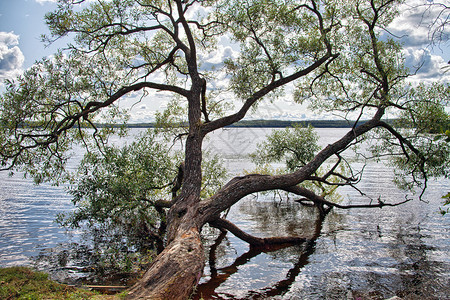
[(252, 240)]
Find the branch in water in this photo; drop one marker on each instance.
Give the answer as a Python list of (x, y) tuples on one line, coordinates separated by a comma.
[(252, 240)]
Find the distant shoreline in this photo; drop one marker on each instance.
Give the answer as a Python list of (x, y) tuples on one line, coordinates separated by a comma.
[(240, 124), (283, 124), (265, 124)]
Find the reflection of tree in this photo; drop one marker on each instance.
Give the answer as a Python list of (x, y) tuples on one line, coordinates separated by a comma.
[(275, 218), (377, 261), (420, 277), (219, 276)]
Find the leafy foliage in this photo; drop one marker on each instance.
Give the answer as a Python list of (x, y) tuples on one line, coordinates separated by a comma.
[(446, 202), (118, 194), (422, 150), (369, 71), (295, 147), (425, 109), (117, 187), (274, 37)]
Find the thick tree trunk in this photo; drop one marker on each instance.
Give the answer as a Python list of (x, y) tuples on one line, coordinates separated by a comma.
[(175, 272), (178, 268)]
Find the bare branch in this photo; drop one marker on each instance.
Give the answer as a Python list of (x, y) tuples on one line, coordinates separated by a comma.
[(311, 196), (27, 141), (252, 240)]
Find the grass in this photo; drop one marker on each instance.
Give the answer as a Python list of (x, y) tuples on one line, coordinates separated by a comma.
[(25, 284)]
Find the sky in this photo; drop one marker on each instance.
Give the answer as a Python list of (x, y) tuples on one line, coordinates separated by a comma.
[(22, 23)]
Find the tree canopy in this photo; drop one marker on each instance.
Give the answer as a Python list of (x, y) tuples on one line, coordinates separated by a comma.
[(336, 56)]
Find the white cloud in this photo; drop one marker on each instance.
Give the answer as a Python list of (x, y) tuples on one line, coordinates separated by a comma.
[(216, 59), (45, 1), (9, 38), (407, 26), (414, 27), (425, 65), (11, 57), (417, 22)]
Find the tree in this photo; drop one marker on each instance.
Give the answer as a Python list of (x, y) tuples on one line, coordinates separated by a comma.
[(334, 55), (435, 18)]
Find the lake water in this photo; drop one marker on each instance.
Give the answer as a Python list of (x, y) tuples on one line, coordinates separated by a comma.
[(360, 253)]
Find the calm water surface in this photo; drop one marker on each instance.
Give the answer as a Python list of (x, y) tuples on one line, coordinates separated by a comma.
[(366, 254)]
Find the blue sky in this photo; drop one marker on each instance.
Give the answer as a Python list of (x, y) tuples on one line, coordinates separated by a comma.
[(22, 23), (25, 18)]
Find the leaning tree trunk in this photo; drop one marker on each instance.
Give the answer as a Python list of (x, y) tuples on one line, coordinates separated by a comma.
[(176, 270)]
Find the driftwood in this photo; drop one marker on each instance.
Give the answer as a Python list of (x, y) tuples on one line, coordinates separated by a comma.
[(106, 287)]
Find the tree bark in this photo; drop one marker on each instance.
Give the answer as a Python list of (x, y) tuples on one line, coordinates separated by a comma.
[(253, 240), (178, 268), (175, 272)]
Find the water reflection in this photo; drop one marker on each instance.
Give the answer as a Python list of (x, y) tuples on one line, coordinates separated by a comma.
[(419, 275), (256, 264), (378, 254), (27, 218), (358, 254), (210, 289)]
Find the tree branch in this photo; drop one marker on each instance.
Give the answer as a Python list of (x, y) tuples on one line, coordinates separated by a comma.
[(204, 110), (27, 141), (252, 240), (421, 164), (161, 203), (178, 181), (239, 187), (311, 196), (191, 51), (228, 120), (403, 141)]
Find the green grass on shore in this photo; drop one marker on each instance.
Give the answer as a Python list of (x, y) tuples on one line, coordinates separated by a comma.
[(25, 284)]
